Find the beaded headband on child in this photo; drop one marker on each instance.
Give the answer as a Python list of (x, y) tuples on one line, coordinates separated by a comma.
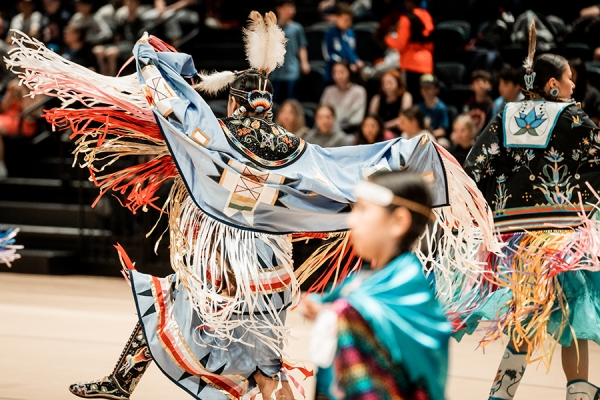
[(384, 197)]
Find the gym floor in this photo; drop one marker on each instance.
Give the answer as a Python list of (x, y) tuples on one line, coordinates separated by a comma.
[(56, 330)]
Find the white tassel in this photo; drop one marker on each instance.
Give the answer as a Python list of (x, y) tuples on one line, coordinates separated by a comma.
[(215, 82), (204, 251), (46, 73), (265, 42), (459, 241)]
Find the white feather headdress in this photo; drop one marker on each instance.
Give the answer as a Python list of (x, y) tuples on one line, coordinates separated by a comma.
[(265, 50)]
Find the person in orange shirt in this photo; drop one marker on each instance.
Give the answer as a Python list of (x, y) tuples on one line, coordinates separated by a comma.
[(413, 43)]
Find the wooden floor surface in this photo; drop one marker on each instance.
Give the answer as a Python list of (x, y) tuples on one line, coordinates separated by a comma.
[(55, 330)]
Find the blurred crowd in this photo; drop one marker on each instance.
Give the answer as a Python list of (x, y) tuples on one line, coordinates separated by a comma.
[(355, 73)]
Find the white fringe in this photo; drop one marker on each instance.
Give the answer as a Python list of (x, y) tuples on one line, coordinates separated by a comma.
[(204, 250), (47, 73), (459, 241)]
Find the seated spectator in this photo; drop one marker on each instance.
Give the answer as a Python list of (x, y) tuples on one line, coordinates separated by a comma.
[(54, 19), (175, 13), (12, 106), (372, 130), (413, 43), (98, 31), (27, 20), (391, 99), (585, 93), (78, 49), (285, 77), (509, 87), (347, 98), (339, 42), (291, 117), (462, 137), (434, 109), (129, 24), (326, 133), (480, 105), (108, 12), (412, 123)]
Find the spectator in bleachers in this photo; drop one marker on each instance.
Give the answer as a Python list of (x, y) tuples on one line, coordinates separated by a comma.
[(372, 130), (509, 88), (54, 19), (347, 98), (339, 42), (98, 31), (413, 43), (585, 93), (108, 12), (391, 99), (175, 13), (462, 137), (27, 20), (326, 132), (412, 123), (291, 117), (591, 11), (128, 25), (285, 77), (78, 49), (13, 103), (480, 105), (434, 109)]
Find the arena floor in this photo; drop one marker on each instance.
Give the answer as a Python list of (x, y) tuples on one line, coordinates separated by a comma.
[(55, 330)]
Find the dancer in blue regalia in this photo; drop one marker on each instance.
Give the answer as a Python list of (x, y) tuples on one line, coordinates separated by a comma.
[(243, 187)]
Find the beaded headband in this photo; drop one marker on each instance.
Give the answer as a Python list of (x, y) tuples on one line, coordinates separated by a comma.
[(384, 197)]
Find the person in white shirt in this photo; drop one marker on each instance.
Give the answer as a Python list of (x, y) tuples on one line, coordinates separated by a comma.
[(28, 20), (348, 99)]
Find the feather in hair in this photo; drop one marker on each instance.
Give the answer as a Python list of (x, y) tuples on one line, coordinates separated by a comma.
[(256, 40), (215, 82), (531, 50), (265, 42), (277, 42)]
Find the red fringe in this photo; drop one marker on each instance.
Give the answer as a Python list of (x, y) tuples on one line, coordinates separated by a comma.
[(139, 183), (341, 264)]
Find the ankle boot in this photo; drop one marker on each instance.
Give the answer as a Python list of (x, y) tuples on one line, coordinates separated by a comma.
[(119, 385), (510, 372), (582, 390)]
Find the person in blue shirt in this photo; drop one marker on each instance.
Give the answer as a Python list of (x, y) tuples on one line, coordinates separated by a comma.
[(339, 43), (436, 112), (284, 78), (509, 88)]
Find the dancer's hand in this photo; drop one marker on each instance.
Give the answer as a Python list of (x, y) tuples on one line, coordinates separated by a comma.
[(310, 308)]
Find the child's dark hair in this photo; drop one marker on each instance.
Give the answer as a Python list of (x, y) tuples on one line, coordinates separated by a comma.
[(481, 74), (547, 66), (249, 81), (511, 74), (409, 186), (343, 9)]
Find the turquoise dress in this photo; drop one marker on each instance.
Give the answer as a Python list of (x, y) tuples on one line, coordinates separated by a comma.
[(392, 335)]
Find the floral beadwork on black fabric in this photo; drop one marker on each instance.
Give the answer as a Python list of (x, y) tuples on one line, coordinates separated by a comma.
[(537, 180), (264, 143)]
